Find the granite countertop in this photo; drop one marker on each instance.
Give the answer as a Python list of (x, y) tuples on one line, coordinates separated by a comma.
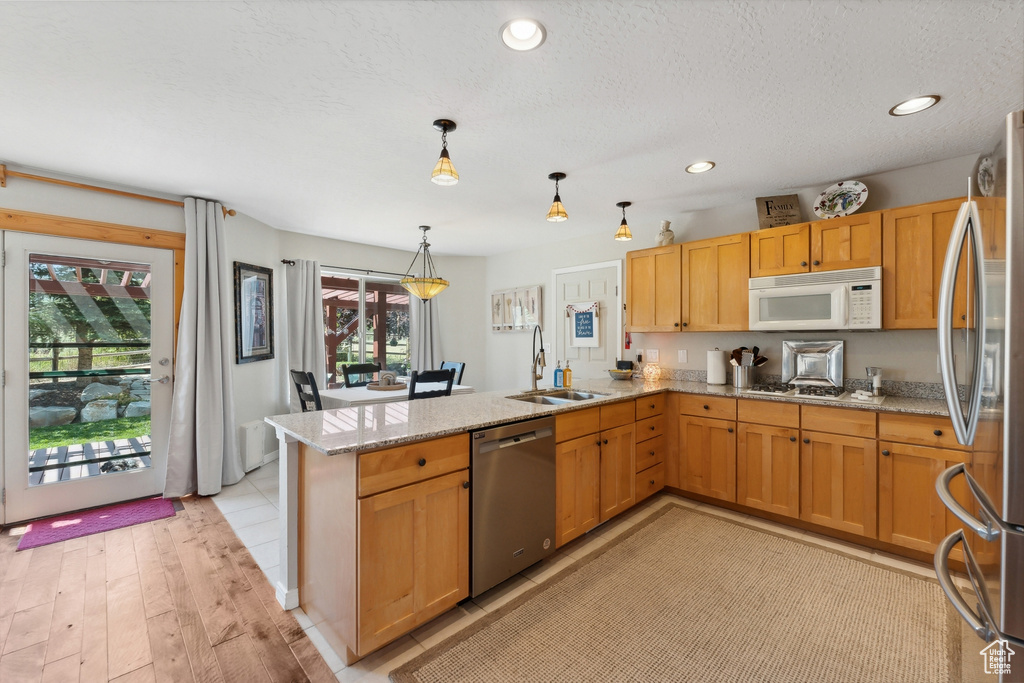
[(346, 430)]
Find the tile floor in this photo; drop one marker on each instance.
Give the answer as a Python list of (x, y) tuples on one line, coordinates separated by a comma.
[(251, 507)]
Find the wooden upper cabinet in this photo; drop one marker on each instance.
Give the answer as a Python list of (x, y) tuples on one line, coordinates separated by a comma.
[(715, 283), (915, 241), (847, 242), (780, 251), (652, 289)]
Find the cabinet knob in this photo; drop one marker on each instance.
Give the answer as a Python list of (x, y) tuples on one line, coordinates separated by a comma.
[(675, 324), (803, 263), (651, 453), (652, 482), (605, 441), (706, 407), (423, 461), (792, 438), (652, 406), (684, 324), (885, 452), (652, 428), (730, 430), (817, 263), (807, 440), (465, 484), (963, 317), (937, 432)]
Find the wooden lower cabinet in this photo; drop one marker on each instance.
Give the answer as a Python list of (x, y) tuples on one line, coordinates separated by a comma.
[(578, 487), (707, 456), (768, 468), (413, 556), (838, 477), (910, 513), (618, 470)]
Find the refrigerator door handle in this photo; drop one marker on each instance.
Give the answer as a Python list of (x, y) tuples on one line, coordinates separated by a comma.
[(978, 622), (967, 224), (987, 531)]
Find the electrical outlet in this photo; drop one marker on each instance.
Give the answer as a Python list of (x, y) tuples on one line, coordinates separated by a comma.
[(652, 355), (547, 347), (682, 355)]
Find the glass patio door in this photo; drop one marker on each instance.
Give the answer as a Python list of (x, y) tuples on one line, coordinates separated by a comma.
[(87, 347)]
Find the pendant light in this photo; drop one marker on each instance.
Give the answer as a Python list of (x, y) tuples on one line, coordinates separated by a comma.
[(623, 234), (557, 214), (444, 173), (428, 285)]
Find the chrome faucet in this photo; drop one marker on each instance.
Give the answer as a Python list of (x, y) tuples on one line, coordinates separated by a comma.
[(538, 358)]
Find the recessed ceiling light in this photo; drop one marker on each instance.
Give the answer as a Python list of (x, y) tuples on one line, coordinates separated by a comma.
[(700, 167), (914, 105), (523, 34)]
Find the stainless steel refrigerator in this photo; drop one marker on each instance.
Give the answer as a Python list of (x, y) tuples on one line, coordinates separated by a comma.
[(981, 353)]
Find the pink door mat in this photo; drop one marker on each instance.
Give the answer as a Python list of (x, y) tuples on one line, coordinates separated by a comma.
[(86, 522)]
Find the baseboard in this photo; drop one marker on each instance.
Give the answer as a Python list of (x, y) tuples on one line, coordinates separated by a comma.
[(289, 599)]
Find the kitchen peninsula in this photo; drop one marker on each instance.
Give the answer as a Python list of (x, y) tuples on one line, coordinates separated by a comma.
[(374, 514)]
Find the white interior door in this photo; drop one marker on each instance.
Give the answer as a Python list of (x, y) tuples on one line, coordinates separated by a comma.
[(87, 346), (598, 282)]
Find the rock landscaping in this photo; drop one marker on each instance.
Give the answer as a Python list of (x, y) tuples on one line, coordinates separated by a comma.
[(104, 399)]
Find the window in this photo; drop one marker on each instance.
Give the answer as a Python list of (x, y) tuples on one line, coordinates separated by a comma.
[(366, 320)]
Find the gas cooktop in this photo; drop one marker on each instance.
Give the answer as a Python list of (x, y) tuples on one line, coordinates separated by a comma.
[(813, 391)]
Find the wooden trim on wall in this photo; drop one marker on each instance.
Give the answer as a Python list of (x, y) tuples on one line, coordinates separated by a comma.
[(80, 228)]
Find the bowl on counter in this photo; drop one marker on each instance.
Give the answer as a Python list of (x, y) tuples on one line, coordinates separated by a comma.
[(620, 374)]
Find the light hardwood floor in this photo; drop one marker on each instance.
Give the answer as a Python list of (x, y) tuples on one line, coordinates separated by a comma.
[(178, 599)]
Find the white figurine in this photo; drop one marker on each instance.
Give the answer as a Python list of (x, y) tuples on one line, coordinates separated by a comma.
[(666, 236)]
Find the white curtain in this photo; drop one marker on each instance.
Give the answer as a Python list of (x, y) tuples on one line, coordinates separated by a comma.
[(425, 334), (202, 450), (304, 306)]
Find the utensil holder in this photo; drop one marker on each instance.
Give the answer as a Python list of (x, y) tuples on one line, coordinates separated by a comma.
[(742, 377)]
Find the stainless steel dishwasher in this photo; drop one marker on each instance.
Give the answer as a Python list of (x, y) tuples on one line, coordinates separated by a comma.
[(512, 492)]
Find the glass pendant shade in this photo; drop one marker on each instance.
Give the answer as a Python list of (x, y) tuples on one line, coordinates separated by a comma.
[(557, 212), (444, 172), (430, 284), (623, 234)]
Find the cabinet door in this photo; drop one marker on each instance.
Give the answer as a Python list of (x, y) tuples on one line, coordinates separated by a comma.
[(780, 251), (652, 290), (715, 284), (915, 241), (413, 556), (768, 468), (618, 471), (837, 482), (577, 487), (847, 242), (910, 513), (707, 457)]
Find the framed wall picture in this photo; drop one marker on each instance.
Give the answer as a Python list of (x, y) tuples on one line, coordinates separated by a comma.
[(531, 306), (518, 309), (496, 311), (254, 313)]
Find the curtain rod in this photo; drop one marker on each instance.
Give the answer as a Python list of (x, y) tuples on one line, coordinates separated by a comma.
[(6, 172), (291, 262)]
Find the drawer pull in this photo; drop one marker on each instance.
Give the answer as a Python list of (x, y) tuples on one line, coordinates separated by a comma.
[(652, 406), (652, 428), (652, 482), (730, 430), (792, 438), (651, 453), (706, 407), (885, 452), (423, 461), (807, 440), (937, 432), (465, 484)]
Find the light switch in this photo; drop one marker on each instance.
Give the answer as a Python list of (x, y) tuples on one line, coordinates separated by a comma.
[(682, 355), (652, 355), (547, 347)]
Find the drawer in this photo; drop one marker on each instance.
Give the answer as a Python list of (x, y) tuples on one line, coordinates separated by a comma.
[(925, 430), (772, 413), (649, 406), (390, 468), (617, 414), (708, 406), (650, 481), (650, 453), (650, 428), (577, 423), (847, 421)]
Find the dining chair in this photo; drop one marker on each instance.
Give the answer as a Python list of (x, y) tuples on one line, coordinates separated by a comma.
[(347, 371), (305, 385), (458, 367), (431, 377)]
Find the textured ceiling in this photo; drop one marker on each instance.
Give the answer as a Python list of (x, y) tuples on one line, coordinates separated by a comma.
[(316, 116)]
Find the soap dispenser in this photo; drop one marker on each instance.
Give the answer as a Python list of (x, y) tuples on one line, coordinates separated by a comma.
[(567, 376), (558, 375)]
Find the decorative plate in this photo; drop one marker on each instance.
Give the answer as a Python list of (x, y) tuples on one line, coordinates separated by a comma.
[(841, 199), (986, 176)]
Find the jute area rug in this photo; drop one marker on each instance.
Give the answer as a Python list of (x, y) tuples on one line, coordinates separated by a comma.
[(686, 596)]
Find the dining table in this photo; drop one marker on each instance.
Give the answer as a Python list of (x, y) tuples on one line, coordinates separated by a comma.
[(359, 396)]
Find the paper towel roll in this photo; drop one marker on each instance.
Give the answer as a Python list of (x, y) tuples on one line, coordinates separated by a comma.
[(716, 367)]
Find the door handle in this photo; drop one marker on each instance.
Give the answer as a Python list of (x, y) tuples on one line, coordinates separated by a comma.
[(987, 530), (162, 380), (164, 361), (982, 629)]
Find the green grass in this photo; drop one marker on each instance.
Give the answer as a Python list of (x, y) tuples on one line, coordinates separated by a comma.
[(88, 432)]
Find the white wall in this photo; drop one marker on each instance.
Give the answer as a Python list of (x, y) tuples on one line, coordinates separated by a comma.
[(904, 355)]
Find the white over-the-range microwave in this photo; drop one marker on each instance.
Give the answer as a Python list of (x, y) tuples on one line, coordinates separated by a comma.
[(828, 300)]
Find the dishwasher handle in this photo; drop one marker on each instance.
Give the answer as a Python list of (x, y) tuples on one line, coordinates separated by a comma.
[(514, 440)]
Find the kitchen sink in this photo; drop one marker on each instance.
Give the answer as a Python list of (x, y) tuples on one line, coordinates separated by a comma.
[(555, 398)]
